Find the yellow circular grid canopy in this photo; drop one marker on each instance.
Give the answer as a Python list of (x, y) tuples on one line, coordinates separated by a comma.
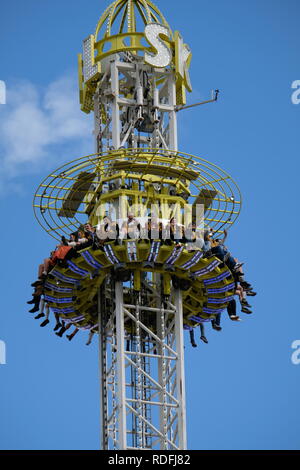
[(61, 201)]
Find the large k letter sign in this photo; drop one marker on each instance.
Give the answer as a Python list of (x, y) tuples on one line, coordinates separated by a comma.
[(183, 57), (163, 55)]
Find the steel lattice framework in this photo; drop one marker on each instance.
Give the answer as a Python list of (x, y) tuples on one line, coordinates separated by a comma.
[(143, 388)]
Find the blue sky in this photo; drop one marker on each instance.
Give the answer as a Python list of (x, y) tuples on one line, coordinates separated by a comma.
[(242, 388)]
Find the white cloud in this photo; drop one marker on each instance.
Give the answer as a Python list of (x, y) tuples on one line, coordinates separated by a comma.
[(42, 128)]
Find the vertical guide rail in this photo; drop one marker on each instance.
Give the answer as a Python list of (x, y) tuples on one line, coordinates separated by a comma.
[(102, 372), (164, 411), (180, 375), (140, 429), (116, 128), (121, 383)]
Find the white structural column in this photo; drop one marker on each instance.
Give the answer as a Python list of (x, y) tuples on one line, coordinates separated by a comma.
[(160, 334), (120, 376), (115, 105), (173, 132), (102, 375), (96, 121), (180, 382)]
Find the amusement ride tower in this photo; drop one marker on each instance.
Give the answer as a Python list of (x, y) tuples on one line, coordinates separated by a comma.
[(138, 292)]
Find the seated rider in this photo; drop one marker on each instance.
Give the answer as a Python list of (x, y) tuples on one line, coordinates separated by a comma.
[(220, 251), (130, 228)]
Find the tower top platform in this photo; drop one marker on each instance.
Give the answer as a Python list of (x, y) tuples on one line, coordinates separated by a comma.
[(134, 32)]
